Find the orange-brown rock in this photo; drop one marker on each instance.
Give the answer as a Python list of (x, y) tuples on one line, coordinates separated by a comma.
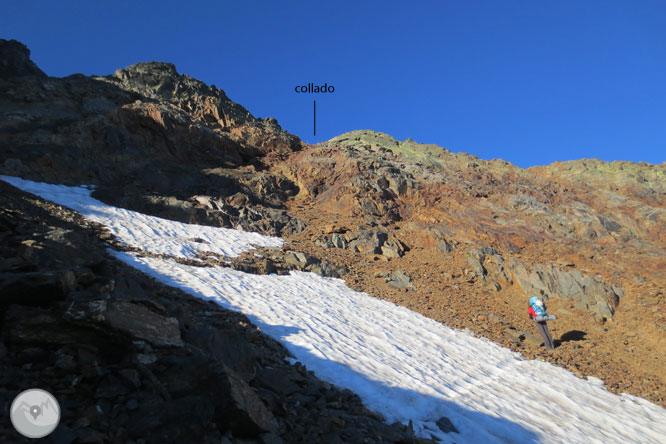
[(483, 235)]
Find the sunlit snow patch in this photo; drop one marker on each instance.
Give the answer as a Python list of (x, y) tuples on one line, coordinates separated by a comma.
[(152, 234)]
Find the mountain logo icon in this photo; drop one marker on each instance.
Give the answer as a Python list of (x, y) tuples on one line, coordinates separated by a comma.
[(35, 413)]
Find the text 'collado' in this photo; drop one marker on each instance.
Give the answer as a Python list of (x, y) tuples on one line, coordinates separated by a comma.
[(312, 88)]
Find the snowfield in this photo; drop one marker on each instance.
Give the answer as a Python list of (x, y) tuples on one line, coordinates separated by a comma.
[(402, 364)]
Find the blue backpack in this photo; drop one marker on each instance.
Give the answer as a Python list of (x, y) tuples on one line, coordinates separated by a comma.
[(540, 311)]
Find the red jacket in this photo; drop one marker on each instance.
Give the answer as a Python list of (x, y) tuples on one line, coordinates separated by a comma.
[(531, 312)]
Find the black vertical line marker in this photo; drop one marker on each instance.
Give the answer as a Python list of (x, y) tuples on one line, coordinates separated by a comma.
[(315, 117)]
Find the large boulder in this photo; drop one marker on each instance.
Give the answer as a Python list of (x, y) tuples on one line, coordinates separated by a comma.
[(400, 279), (129, 318), (587, 292)]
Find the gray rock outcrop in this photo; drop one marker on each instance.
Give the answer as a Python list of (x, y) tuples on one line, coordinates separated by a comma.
[(587, 292), (366, 242)]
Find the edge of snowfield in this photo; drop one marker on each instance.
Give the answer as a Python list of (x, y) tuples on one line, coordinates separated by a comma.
[(402, 364)]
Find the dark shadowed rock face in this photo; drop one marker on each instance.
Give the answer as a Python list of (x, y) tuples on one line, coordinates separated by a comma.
[(15, 60)]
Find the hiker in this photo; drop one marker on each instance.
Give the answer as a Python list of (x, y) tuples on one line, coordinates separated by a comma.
[(537, 311)]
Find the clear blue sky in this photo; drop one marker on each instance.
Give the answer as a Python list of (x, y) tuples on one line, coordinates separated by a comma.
[(527, 81)]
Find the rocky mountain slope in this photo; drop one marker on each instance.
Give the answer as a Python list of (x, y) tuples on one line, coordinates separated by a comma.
[(149, 139), (467, 241), (462, 240)]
